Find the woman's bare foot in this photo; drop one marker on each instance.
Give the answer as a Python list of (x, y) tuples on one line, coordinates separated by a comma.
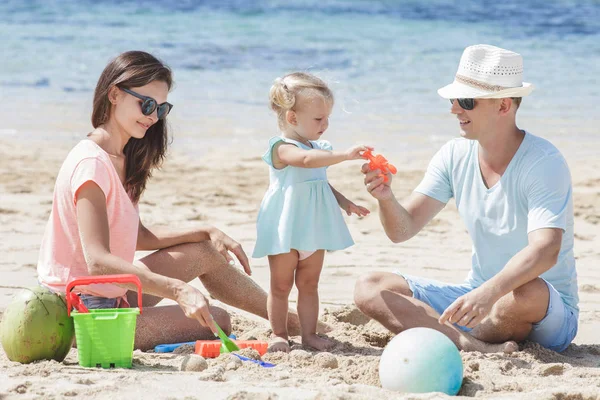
[(317, 342), (278, 343)]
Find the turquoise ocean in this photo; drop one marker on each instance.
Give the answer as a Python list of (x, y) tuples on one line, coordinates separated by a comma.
[(384, 60)]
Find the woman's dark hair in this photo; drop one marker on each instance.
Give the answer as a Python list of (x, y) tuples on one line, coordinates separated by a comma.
[(135, 69)]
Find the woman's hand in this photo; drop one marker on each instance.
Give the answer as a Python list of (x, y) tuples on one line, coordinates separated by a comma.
[(195, 306), (224, 244)]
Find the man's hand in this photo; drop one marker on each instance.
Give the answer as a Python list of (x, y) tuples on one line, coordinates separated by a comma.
[(224, 244), (375, 185), (469, 310)]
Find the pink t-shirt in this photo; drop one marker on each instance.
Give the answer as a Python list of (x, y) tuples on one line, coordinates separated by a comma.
[(61, 256)]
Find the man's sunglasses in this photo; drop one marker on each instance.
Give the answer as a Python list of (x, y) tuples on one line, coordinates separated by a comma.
[(465, 104), (149, 104)]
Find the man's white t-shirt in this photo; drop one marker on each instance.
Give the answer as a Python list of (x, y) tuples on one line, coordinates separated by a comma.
[(533, 193)]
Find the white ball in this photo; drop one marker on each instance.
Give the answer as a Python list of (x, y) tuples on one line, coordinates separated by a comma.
[(421, 360)]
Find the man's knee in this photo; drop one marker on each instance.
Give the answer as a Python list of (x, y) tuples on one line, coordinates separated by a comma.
[(527, 303), (532, 291), (369, 286), (366, 288)]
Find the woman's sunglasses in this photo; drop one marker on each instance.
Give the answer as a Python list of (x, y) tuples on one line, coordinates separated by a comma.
[(149, 104), (465, 104)]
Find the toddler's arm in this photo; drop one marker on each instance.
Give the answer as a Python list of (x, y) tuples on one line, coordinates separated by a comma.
[(291, 155), (348, 205)]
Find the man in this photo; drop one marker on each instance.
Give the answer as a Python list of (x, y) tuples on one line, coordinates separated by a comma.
[(513, 191)]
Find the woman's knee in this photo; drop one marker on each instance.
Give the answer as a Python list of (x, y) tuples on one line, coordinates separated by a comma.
[(222, 317), (205, 256)]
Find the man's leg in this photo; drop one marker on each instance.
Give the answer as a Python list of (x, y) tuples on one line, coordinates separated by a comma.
[(387, 298), (513, 316)]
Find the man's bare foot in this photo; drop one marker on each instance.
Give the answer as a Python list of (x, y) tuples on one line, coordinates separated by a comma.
[(278, 343), (317, 342), (472, 344)]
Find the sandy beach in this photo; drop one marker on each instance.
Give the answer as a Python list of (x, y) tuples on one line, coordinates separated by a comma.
[(190, 191)]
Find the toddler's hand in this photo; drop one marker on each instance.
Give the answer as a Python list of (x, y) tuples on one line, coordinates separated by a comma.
[(353, 153), (352, 208)]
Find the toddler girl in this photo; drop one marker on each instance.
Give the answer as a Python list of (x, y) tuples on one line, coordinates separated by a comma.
[(299, 217)]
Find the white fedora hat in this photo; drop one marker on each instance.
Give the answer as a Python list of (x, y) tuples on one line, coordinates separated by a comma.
[(487, 72)]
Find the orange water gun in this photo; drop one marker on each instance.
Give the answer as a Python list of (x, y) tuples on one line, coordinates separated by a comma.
[(379, 162)]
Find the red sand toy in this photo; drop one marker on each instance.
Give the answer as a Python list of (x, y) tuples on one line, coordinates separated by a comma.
[(379, 162), (212, 348)]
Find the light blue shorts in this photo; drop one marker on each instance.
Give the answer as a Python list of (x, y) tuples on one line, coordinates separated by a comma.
[(555, 331)]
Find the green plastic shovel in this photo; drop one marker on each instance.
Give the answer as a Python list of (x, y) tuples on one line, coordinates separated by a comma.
[(227, 345)]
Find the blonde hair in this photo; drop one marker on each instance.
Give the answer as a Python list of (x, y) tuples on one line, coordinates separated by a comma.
[(285, 91)]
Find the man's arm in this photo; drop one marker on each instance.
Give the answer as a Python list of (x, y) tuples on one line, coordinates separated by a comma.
[(537, 257), (400, 222), (403, 222)]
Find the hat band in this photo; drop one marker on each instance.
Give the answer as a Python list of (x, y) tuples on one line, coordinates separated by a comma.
[(479, 85)]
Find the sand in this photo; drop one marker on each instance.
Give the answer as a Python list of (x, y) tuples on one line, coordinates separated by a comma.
[(191, 191)]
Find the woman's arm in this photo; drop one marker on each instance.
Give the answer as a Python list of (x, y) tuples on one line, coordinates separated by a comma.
[(157, 237), (94, 234)]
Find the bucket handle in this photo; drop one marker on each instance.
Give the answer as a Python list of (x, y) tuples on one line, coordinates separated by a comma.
[(88, 280)]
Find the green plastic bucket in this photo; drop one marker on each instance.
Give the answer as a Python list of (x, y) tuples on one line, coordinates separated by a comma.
[(105, 337)]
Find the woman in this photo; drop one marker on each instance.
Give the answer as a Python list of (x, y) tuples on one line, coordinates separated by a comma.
[(95, 229)]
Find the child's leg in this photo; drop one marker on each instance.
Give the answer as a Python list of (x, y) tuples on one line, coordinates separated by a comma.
[(282, 279), (307, 282)]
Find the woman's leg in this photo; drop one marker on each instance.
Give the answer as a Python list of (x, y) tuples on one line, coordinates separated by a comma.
[(224, 282), (282, 280), (307, 282), (168, 324)]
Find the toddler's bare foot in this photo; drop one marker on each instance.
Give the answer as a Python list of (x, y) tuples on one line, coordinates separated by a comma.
[(317, 342), (278, 343)]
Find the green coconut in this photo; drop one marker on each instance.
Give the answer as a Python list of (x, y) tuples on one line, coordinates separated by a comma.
[(35, 326)]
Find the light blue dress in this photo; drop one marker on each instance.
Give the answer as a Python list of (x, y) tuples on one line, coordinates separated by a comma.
[(299, 210)]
